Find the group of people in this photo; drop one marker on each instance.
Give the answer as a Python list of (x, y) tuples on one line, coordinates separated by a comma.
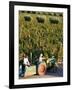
[(26, 63)]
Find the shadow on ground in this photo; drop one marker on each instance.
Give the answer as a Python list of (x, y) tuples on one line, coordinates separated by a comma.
[(56, 71)]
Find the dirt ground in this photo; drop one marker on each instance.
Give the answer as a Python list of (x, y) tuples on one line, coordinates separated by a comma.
[(50, 73)]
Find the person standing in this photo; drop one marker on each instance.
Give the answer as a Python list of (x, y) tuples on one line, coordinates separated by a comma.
[(26, 61), (41, 58)]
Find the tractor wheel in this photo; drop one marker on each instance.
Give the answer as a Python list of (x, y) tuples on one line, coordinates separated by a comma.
[(42, 69)]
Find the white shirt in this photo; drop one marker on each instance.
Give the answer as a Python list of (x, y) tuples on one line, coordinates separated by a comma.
[(40, 59), (26, 62)]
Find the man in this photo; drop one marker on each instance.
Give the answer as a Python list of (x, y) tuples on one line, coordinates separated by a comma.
[(21, 68), (26, 61), (53, 60), (41, 58)]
